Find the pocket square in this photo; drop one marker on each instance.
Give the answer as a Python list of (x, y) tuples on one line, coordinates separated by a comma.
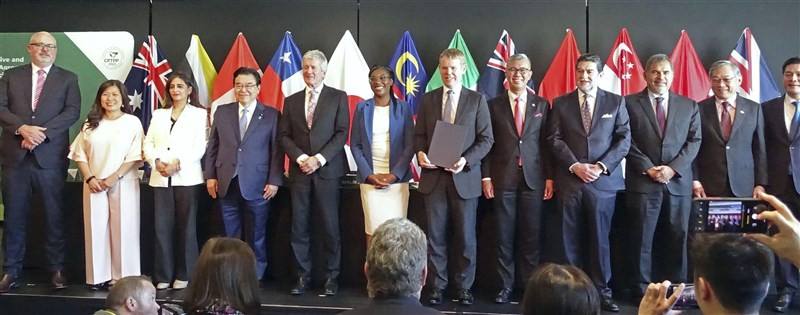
[(741, 112), (606, 116)]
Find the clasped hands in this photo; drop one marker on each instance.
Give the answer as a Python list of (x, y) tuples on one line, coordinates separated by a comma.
[(310, 165), (662, 173), (381, 181), (457, 167), (97, 185), (168, 169), (587, 172), (32, 136)]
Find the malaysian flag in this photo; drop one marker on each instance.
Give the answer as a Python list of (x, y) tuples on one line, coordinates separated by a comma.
[(146, 81), (757, 82), (409, 71), (493, 80)]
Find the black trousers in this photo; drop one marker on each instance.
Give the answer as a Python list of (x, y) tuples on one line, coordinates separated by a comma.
[(450, 215), (19, 183), (585, 224), (786, 275), (175, 213), (663, 218), (518, 219), (315, 200)]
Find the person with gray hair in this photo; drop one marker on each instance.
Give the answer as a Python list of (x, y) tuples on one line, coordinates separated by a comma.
[(730, 164), (132, 295), (313, 132), (396, 269), (516, 176), (665, 138)]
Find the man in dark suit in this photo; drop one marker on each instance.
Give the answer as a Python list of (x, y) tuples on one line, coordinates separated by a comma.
[(38, 103), (244, 163), (516, 175), (396, 268), (313, 133), (781, 124), (665, 132), (589, 133), (732, 161), (451, 193)]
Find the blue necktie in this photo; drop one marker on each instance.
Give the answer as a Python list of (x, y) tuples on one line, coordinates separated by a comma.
[(795, 122), (243, 123)]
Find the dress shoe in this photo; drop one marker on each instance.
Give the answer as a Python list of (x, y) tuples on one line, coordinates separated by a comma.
[(331, 287), (7, 283), (435, 297), (58, 280), (162, 286), (503, 296), (99, 286), (180, 284), (784, 300), (609, 305), (301, 286), (465, 297)]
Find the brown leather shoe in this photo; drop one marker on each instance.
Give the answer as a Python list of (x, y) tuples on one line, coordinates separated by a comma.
[(7, 283), (58, 280)]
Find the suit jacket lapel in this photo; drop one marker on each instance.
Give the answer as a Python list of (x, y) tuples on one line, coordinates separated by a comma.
[(258, 113), (530, 109), (323, 95), (369, 113), (711, 116), (599, 103), (461, 104), (48, 83), (437, 103), (28, 85), (740, 111), (647, 107)]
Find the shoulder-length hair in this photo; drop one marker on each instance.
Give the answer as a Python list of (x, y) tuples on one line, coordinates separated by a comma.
[(97, 111), (560, 290), (194, 99), (225, 273)]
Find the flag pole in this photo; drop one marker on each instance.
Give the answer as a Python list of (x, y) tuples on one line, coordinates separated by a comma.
[(150, 19), (586, 4)]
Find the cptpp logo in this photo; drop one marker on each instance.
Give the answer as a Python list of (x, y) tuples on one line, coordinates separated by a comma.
[(112, 57)]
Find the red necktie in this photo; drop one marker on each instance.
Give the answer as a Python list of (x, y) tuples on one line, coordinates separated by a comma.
[(519, 119), (39, 85), (725, 121)]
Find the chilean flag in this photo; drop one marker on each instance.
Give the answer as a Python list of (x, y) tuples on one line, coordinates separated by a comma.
[(282, 77), (757, 82), (147, 79)]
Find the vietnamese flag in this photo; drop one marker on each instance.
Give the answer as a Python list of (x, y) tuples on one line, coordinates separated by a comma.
[(690, 79), (560, 76), (239, 56)]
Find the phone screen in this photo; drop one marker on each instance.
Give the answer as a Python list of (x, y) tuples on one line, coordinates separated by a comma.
[(733, 216)]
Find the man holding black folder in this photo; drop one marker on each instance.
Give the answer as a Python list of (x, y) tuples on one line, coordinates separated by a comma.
[(451, 191)]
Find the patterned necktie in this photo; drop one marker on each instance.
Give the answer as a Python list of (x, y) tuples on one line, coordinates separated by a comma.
[(725, 123), (39, 85), (661, 115), (519, 118), (312, 106), (586, 114), (795, 121), (448, 107), (243, 123)]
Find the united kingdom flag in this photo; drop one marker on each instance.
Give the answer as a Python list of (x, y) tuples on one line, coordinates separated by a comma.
[(757, 82), (147, 80), (493, 80)]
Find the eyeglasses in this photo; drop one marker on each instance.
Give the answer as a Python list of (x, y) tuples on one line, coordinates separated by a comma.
[(43, 45), (244, 86), (382, 78), (518, 70)]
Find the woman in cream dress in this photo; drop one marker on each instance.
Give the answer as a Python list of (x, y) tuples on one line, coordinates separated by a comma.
[(108, 151), (381, 142)]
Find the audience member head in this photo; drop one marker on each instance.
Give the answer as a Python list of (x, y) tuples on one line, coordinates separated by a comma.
[(225, 274), (181, 88), (111, 97), (396, 263), (731, 273), (560, 290), (587, 72), (134, 295)]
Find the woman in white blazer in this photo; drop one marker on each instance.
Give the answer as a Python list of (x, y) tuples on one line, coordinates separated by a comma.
[(174, 145)]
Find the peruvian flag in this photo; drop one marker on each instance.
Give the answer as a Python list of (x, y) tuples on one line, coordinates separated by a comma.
[(623, 74), (560, 76), (348, 71), (690, 79), (240, 55), (282, 77)]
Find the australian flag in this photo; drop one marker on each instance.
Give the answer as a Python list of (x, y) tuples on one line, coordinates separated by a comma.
[(757, 82), (409, 71), (147, 80), (493, 80)]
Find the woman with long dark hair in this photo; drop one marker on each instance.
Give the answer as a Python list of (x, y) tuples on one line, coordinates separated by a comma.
[(108, 151), (174, 146)]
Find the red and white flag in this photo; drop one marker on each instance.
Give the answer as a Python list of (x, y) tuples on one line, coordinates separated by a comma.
[(348, 71), (623, 74), (690, 77), (240, 55), (560, 76)]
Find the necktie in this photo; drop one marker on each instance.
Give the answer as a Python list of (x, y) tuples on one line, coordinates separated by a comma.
[(518, 122), (661, 115), (39, 85), (795, 121), (448, 107), (725, 121), (243, 123), (586, 114), (312, 105)]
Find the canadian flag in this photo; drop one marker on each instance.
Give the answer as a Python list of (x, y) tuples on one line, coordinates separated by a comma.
[(623, 74), (348, 71), (240, 55)]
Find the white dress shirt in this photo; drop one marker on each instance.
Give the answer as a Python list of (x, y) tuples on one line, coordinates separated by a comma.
[(318, 90), (35, 78)]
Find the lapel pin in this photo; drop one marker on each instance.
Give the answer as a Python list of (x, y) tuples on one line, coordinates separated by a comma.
[(741, 112)]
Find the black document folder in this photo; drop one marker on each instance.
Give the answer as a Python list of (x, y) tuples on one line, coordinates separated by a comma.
[(447, 144)]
